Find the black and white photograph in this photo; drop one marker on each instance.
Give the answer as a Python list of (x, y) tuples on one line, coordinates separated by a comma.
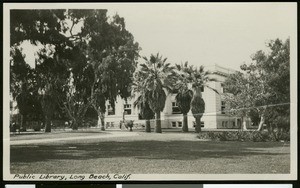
[(150, 91)]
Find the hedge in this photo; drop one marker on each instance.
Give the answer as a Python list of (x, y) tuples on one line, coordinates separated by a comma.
[(254, 136)]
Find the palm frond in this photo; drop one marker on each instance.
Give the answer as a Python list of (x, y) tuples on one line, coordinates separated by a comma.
[(178, 67), (145, 58), (186, 64), (212, 89)]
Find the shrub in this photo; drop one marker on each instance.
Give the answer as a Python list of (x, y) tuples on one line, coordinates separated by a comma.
[(253, 136), (128, 124)]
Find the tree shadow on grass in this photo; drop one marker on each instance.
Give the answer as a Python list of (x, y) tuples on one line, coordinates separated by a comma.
[(159, 150)]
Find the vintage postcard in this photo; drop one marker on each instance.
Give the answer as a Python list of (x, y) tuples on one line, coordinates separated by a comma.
[(149, 91)]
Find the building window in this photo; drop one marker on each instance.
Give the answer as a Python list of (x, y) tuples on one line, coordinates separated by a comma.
[(233, 123), (223, 88), (202, 124), (110, 110), (127, 109), (110, 124), (224, 124), (173, 124), (222, 107), (175, 108), (179, 124)]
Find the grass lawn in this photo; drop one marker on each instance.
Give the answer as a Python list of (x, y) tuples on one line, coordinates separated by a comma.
[(144, 153)]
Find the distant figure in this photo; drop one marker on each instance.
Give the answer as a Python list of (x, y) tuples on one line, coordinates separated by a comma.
[(120, 124), (126, 123)]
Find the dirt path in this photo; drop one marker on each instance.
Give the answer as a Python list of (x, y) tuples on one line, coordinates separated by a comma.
[(41, 140)]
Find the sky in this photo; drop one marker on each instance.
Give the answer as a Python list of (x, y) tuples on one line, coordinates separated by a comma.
[(226, 34), (207, 33)]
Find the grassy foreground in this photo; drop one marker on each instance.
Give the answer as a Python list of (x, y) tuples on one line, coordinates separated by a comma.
[(144, 153)]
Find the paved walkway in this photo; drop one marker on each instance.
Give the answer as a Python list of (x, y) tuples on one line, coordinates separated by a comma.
[(110, 135)]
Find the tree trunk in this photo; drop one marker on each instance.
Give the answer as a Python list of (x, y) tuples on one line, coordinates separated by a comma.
[(185, 123), (244, 126), (198, 125), (38, 128), (23, 123), (198, 108), (261, 123), (123, 116), (47, 125), (158, 123), (99, 121), (75, 124), (102, 122), (148, 126)]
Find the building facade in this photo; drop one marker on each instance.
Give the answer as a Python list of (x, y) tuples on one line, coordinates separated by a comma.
[(215, 116)]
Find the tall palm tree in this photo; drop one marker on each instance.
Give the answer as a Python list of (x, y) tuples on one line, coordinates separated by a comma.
[(199, 79), (156, 77), (141, 101), (184, 93), (145, 111)]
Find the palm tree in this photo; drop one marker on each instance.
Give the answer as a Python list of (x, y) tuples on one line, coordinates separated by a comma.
[(141, 102), (199, 79), (145, 111), (156, 76), (184, 93)]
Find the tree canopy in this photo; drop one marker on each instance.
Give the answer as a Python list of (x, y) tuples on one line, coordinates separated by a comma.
[(262, 87), (75, 67), (155, 76)]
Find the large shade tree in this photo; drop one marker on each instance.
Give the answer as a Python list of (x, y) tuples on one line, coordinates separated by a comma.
[(77, 67), (238, 102), (277, 66), (262, 87), (157, 78), (112, 53), (22, 84), (40, 28), (104, 64)]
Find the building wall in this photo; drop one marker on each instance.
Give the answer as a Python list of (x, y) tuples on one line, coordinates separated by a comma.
[(213, 117)]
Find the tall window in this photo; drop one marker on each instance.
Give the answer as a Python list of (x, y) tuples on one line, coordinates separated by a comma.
[(127, 109), (223, 89), (233, 123), (110, 110), (175, 108), (224, 124), (223, 107)]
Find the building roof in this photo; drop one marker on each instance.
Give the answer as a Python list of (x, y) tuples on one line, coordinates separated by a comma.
[(219, 70)]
